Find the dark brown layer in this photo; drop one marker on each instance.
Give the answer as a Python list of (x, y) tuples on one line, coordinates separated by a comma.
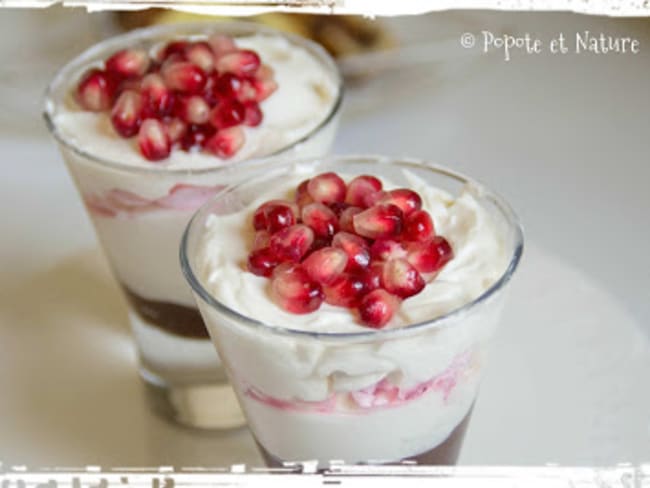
[(445, 454), (175, 319)]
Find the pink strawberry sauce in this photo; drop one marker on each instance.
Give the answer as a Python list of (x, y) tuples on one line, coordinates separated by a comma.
[(382, 394), (121, 203)]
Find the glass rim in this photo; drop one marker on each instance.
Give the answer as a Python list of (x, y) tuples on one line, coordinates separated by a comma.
[(371, 334), (201, 27)]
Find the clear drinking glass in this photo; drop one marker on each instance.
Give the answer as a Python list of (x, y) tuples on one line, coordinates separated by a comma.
[(320, 396), (139, 214)]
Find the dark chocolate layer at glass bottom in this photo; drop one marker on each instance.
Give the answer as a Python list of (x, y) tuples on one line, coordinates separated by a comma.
[(173, 318), (445, 454)]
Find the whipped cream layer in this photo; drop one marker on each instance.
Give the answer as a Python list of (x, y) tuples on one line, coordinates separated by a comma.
[(306, 93), (480, 259)]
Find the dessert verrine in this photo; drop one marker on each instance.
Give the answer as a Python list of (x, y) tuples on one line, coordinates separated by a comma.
[(154, 123), (373, 354)]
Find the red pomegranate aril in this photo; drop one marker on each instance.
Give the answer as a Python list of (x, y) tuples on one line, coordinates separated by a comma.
[(227, 114), (242, 63), (386, 249), (126, 115), (221, 44), (355, 247), (345, 220), (226, 142), (262, 262), (418, 227), (302, 195), (184, 77), (346, 291), (294, 290), (264, 88), (407, 200), (377, 308), (260, 216), (371, 276), (195, 110), (292, 243), (201, 55), (197, 136), (176, 129), (401, 278), (430, 256), (95, 90), (360, 188), (327, 188), (128, 63), (227, 85), (378, 221), (173, 48), (320, 218), (278, 217), (325, 265), (158, 99), (153, 140), (262, 239), (253, 114)]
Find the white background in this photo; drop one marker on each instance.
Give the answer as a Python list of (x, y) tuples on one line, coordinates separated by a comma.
[(565, 138)]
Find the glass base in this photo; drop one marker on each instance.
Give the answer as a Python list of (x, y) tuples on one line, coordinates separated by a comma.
[(205, 406)]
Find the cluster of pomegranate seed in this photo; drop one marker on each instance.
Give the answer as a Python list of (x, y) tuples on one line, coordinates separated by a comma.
[(191, 95), (355, 246)]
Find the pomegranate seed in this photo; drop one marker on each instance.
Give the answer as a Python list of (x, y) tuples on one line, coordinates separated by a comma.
[(127, 112), (265, 72), (253, 114), (153, 140), (226, 142), (407, 200), (431, 256), (294, 290), (278, 217), (96, 90), (346, 291), (201, 55), (338, 208), (418, 226), (378, 221), (173, 48), (371, 276), (197, 136), (264, 88), (194, 109), (158, 99), (128, 63), (228, 114), (292, 243), (261, 215), (221, 44), (360, 188), (184, 77), (302, 195), (242, 63), (262, 239), (321, 219), (327, 188), (176, 129), (377, 308), (355, 247), (345, 220), (227, 85), (401, 278), (386, 249), (326, 264), (262, 262)]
